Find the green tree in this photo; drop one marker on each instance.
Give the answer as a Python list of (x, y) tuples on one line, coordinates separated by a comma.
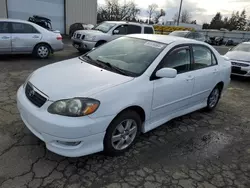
[(217, 22), (242, 22)]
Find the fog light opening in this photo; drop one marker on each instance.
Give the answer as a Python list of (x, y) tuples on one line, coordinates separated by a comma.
[(68, 143)]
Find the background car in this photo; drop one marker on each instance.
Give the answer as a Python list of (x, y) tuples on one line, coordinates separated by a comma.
[(189, 34), (79, 26), (104, 99), (24, 37), (106, 31), (240, 59)]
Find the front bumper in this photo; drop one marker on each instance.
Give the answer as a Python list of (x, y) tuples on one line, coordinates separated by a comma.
[(83, 44), (60, 132), (240, 70)]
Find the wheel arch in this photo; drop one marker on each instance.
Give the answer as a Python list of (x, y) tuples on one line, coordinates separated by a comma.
[(100, 41), (139, 110)]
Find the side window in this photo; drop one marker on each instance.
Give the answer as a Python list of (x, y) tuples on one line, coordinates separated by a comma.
[(121, 30), (179, 59), (132, 29), (23, 28), (148, 30), (203, 57), (4, 27)]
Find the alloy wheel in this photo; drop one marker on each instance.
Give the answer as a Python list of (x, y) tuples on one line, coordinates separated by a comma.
[(124, 134)]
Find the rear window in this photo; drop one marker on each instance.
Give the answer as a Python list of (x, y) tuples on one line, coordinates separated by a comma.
[(148, 30), (179, 33)]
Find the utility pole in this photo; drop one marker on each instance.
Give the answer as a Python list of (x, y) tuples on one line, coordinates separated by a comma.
[(178, 21)]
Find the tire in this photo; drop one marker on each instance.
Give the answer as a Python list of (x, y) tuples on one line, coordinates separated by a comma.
[(82, 51), (119, 137), (213, 98), (42, 51), (99, 43)]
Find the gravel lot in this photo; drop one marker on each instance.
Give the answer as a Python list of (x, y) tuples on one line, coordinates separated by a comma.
[(201, 150)]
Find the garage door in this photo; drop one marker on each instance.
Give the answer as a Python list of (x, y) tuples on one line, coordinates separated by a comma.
[(52, 9)]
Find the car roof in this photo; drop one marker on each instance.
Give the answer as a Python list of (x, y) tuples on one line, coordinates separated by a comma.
[(163, 38), (246, 42), (132, 23), (14, 20)]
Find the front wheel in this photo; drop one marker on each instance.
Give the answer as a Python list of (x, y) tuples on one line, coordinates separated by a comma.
[(122, 133), (213, 98)]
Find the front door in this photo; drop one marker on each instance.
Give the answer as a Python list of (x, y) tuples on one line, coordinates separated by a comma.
[(119, 31), (5, 38), (173, 94), (24, 37), (205, 70)]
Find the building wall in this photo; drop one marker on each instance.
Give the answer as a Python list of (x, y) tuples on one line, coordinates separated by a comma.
[(3, 11), (83, 11)]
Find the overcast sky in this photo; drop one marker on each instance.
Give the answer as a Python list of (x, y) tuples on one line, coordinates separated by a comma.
[(201, 10)]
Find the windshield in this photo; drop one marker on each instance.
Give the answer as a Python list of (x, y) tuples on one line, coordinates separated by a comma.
[(242, 47), (131, 55), (104, 27), (179, 33)]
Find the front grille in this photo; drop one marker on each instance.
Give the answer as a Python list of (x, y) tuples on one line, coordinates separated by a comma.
[(240, 64), (33, 96), (238, 71), (83, 37), (78, 36)]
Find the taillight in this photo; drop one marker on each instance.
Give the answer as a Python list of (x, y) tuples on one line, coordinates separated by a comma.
[(59, 38)]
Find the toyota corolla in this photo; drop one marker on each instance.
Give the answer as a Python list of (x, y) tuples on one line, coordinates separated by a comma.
[(103, 100)]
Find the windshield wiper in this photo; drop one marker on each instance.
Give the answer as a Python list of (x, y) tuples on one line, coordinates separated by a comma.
[(116, 69)]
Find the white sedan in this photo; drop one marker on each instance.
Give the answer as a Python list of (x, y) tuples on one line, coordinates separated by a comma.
[(240, 59), (104, 99)]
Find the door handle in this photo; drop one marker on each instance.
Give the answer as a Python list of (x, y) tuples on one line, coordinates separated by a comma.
[(190, 78), (35, 37), (4, 37), (215, 71)]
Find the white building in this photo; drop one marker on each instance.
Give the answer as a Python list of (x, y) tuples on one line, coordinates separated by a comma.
[(62, 13)]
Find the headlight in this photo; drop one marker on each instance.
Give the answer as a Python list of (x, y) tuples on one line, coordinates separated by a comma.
[(74, 107), (90, 38)]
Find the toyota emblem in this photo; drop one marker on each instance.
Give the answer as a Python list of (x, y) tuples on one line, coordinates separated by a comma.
[(32, 93)]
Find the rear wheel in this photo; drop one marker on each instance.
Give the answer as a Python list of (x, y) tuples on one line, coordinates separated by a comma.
[(213, 98), (42, 51), (122, 133)]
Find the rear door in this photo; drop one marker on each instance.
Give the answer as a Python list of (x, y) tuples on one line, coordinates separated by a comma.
[(24, 37), (205, 71), (5, 38), (134, 29)]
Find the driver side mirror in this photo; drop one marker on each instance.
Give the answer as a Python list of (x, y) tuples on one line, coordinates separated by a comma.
[(166, 73), (116, 32)]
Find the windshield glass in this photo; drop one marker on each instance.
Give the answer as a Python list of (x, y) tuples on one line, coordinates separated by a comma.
[(127, 54), (179, 33), (104, 27), (242, 47)]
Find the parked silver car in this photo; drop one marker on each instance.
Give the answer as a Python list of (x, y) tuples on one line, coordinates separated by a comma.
[(107, 31), (240, 59), (189, 34), (23, 37)]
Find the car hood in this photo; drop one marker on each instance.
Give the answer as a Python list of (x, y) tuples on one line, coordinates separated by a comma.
[(238, 55), (74, 78), (90, 32)]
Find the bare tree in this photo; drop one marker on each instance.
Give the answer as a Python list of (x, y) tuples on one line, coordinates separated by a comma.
[(152, 10), (113, 10), (185, 17)]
